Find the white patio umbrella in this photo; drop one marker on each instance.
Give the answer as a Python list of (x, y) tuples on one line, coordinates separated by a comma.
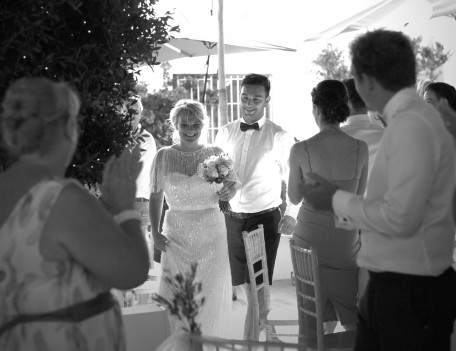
[(195, 44), (199, 45), (394, 14)]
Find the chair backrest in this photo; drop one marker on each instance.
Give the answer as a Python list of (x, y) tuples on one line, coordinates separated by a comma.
[(255, 251), (199, 343), (307, 279)]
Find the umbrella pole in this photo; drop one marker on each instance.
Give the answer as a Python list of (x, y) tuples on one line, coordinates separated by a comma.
[(205, 79), (223, 105)]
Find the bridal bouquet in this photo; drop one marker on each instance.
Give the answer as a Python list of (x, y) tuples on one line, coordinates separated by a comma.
[(218, 169)]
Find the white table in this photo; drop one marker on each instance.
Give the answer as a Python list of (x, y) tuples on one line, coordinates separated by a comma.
[(146, 326)]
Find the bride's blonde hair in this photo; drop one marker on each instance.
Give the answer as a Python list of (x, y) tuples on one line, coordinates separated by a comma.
[(187, 107)]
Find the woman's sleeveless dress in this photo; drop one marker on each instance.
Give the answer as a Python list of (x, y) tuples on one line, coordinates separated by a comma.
[(336, 248), (196, 231), (31, 285)]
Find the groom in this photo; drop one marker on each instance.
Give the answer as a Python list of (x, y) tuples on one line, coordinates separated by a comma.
[(259, 149)]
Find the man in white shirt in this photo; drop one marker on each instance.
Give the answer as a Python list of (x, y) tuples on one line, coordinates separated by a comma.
[(260, 150), (359, 124), (405, 216)]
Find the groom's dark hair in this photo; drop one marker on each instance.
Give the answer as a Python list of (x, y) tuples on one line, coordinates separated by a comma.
[(257, 79)]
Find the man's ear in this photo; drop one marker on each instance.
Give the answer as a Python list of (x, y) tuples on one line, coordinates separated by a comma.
[(268, 99), (369, 81), (444, 104)]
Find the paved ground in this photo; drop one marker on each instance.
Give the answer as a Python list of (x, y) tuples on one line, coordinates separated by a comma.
[(283, 302)]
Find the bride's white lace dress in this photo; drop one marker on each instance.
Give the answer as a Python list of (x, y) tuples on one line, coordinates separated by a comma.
[(196, 231)]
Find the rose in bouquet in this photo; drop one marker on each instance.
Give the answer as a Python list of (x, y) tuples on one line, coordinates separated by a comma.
[(218, 169)]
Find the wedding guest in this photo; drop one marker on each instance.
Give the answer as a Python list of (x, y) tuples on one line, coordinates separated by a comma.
[(194, 228), (422, 85), (147, 150), (407, 230), (60, 250), (443, 97), (360, 126), (343, 159), (259, 149)]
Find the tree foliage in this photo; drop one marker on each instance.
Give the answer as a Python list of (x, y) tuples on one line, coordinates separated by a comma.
[(95, 45), (429, 58), (155, 117), (331, 64)]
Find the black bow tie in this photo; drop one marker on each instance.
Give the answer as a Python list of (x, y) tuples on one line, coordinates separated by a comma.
[(245, 126)]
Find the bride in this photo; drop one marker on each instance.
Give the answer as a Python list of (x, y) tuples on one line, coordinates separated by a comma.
[(193, 228)]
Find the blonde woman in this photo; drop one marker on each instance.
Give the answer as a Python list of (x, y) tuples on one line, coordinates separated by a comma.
[(61, 251)]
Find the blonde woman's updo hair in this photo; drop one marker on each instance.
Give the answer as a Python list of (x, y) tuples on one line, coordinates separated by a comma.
[(187, 107), (30, 106)]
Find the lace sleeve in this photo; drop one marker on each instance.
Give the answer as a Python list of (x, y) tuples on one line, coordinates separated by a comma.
[(157, 172)]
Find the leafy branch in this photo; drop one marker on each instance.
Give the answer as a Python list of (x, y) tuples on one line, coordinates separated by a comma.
[(186, 302)]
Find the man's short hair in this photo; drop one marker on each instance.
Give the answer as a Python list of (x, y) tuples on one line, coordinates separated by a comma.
[(445, 91), (257, 79), (387, 56), (353, 95)]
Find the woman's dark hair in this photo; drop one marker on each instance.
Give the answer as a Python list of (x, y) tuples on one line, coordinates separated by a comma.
[(330, 96)]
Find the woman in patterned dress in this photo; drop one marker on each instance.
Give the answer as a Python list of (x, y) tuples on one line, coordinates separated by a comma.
[(194, 228), (61, 251)]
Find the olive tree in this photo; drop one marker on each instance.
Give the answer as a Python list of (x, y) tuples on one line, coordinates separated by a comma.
[(97, 46)]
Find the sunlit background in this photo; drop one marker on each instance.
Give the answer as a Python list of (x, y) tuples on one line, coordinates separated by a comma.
[(302, 25)]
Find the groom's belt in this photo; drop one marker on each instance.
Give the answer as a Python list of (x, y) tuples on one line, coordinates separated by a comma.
[(243, 215), (141, 199)]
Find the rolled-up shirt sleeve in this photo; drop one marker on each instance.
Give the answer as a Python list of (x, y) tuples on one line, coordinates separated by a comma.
[(396, 200)]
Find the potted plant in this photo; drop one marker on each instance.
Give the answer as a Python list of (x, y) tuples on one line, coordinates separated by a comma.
[(184, 305)]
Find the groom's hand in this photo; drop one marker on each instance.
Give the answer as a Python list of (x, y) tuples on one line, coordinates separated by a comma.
[(318, 192)]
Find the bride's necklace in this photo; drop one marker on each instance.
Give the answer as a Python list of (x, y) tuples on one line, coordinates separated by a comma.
[(184, 149)]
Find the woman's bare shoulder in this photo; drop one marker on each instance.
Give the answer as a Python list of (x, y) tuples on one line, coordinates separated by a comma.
[(300, 145)]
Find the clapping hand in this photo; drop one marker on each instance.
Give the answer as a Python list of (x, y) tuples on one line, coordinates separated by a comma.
[(119, 180), (318, 192)]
